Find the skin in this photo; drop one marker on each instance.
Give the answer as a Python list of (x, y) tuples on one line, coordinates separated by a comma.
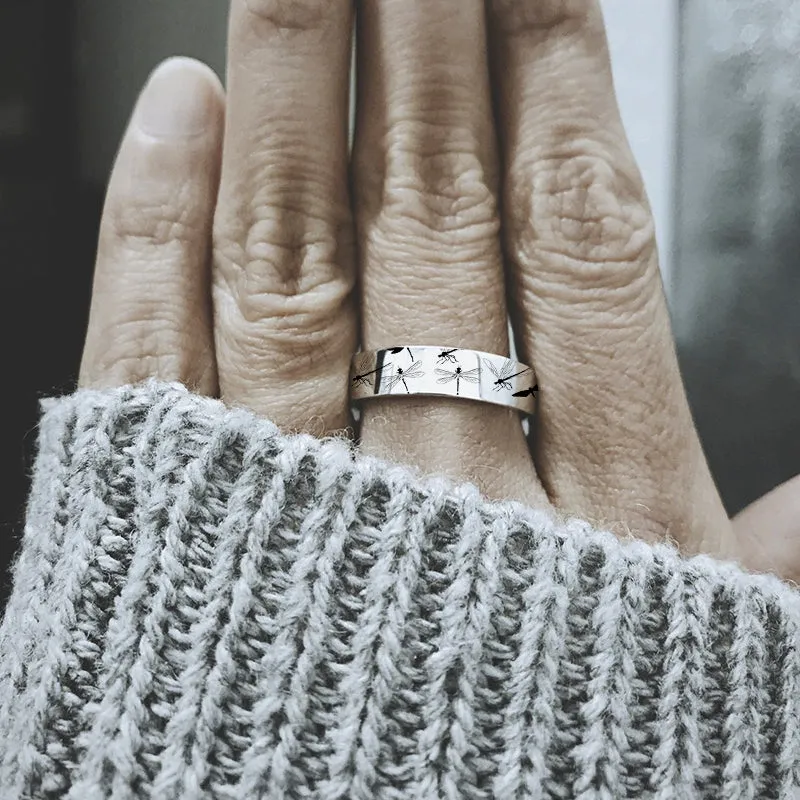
[(250, 256)]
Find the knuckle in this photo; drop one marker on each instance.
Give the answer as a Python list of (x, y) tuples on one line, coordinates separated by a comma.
[(583, 220), (281, 255), (438, 189), (125, 368), (284, 285), (291, 337), (289, 16), (140, 349), (302, 307), (515, 17), (138, 225)]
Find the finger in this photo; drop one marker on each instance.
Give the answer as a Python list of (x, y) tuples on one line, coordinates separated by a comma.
[(283, 279), (425, 175), (613, 424), (768, 532), (151, 306)]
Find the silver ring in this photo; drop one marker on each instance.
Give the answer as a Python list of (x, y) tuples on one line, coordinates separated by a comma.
[(443, 372)]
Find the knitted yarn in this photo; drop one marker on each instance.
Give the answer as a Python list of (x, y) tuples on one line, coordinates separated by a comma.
[(204, 607)]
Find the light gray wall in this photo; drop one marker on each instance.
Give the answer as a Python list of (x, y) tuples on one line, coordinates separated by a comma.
[(643, 38), (737, 277)]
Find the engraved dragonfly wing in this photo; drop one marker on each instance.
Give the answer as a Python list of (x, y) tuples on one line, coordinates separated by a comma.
[(401, 375)]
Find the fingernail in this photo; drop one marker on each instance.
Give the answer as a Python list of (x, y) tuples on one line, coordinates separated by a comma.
[(177, 100)]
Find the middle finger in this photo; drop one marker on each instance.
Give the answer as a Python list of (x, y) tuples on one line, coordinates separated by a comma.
[(425, 173)]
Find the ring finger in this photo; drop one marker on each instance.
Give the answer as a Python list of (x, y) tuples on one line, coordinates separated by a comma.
[(425, 171)]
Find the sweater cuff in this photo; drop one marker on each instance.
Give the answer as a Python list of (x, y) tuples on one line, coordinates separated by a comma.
[(205, 607)]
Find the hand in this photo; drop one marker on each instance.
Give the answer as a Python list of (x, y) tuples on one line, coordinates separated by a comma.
[(230, 260)]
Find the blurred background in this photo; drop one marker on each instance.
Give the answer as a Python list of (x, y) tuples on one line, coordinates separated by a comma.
[(710, 94)]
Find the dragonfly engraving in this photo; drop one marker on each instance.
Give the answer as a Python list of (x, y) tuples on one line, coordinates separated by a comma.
[(365, 378), (504, 374), (402, 375), (447, 357), (457, 375), (532, 392)]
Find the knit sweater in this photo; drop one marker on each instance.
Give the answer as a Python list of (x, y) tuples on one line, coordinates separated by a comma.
[(204, 607)]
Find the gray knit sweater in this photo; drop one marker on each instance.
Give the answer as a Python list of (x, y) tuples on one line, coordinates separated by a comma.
[(206, 608)]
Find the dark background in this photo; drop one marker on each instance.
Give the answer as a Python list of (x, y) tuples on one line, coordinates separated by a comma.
[(69, 74), (48, 220), (735, 296)]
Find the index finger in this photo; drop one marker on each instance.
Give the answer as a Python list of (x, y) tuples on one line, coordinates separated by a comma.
[(284, 275)]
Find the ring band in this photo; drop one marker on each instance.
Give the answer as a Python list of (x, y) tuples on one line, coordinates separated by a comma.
[(443, 372)]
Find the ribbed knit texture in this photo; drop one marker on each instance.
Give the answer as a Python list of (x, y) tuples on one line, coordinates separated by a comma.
[(206, 608)]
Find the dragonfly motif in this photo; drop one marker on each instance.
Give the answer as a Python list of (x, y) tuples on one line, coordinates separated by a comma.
[(365, 378), (457, 375), (447, 357), (532, 392), (504, 374), (402, 375)]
